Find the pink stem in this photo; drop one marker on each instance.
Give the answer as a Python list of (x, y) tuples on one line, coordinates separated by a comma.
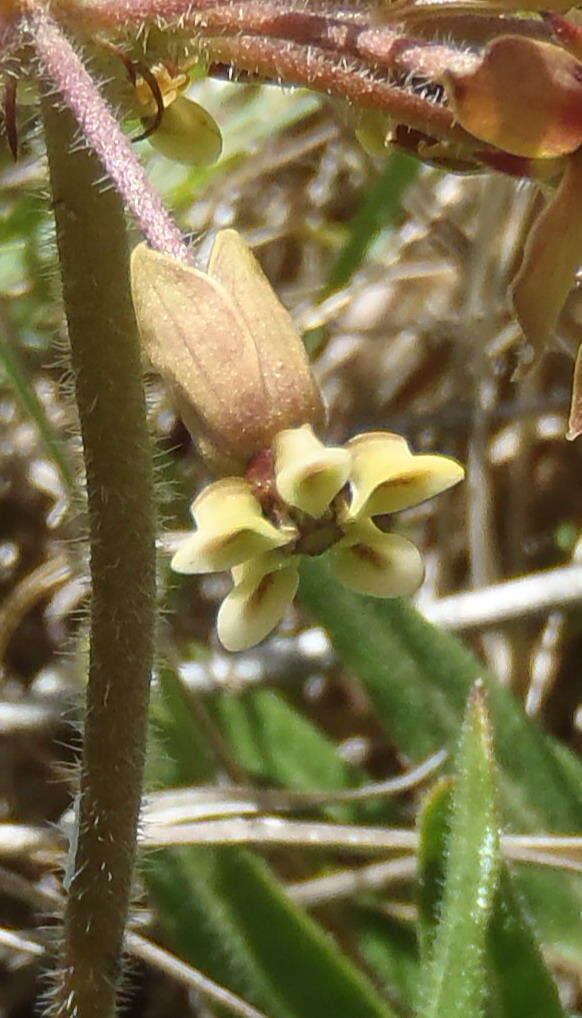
[(234, 14), (65, 70), (298, 65)]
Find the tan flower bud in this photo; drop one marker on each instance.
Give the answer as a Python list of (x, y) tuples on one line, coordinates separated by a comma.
[(524, 96), (188, 134), (227, 347)]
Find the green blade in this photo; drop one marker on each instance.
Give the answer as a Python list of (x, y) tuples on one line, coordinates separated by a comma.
[(454, 980)]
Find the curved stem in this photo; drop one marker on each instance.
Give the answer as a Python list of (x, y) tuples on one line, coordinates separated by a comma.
[(105, 354), (66, 71), (292, 63)]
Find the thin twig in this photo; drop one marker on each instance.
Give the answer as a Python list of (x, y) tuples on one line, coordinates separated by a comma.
[(354, 880), (543, 850), (16, 886), (512, 599), (185, 804), (18, 942), (279, 831), (190, 977)]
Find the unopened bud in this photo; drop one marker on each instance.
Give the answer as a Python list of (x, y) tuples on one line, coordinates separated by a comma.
[(228, 349), (524, 96), (187, 133)]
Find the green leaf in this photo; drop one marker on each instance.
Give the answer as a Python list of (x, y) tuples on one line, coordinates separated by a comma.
[(380, 207), (390, 947), (227, 914), (22, 388), (177, 753), (277, 745), (518, 981), (434, 821), (418, 678), (454, 983), (198, 926), (304, 964), (521, 982)]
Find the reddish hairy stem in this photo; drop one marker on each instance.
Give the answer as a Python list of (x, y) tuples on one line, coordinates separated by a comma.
[(66, 72), (191, 13), (295, 64), (306, 46), (323, 24)]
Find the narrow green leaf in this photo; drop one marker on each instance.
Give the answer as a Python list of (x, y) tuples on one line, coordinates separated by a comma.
[(418, 678), (390, 947), (227, 914), (279, 746), (518, 982), (454, 984), (521, 982), (198, 926), (177, 753), (23, 390), (380, 206), (434, 832), (304, 964)]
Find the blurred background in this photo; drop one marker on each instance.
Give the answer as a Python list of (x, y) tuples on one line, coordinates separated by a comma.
[(397, 274)]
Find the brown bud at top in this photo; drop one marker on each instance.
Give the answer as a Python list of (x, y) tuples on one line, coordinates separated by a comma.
[(524, 96), (227, 347)]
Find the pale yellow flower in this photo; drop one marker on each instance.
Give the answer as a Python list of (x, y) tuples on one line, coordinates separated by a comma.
[(231, 529), (186, 133), (240, 376), (309, 499)]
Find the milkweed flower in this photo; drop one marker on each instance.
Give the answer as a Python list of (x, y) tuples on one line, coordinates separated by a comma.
[(186, 132), (239, 372), (309, 499)]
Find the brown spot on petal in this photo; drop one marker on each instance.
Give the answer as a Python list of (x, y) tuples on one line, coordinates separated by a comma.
[(369, 555), (261, 591)]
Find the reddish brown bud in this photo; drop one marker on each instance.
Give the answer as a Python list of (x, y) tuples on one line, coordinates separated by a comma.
[(524, 96)]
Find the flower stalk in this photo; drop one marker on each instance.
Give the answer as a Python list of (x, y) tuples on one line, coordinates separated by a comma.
[(63, 67), (105, 355)]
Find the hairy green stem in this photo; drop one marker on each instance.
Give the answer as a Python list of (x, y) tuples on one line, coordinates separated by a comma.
[(105, 355)]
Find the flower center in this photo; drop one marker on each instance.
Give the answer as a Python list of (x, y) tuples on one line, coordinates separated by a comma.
[(314, 534)]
